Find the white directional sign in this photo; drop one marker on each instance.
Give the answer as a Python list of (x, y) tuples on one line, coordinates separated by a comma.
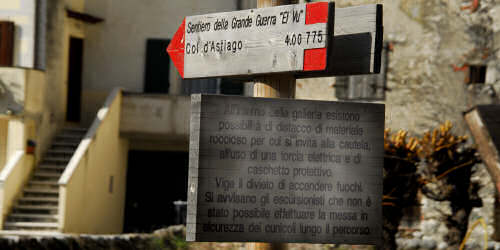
[(290, 38)]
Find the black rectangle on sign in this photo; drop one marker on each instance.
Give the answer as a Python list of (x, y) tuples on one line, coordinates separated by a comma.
[(281, 170)]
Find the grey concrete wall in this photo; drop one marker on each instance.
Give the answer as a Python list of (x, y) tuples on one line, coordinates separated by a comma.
[(155, 122)]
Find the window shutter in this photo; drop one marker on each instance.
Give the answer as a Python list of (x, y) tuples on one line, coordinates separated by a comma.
[(157, 72), (6, 43)]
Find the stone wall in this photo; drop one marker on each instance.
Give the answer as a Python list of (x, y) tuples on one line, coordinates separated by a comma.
[(431, 42)]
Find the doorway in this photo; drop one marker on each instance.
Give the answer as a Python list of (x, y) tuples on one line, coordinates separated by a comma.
[(155, 180), (157, 72), (73, 104)]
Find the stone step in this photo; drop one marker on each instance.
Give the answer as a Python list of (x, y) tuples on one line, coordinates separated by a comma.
[(40, 195), (20, 217), (46, 178), (60, 153), (30, 225), (39, 172), (47, 174), (42, 191), (30, 233), (68, 136), (57, 159), (68, 140), (65, 144), (50, 168), (52, 183), (54, 162), (75, 129), (73, 148), (36, 209), (38, 201)]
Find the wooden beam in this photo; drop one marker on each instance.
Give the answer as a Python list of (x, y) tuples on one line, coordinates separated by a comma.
[(83, 17), (484, 124)]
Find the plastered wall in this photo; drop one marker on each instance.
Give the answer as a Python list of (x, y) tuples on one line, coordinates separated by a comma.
[(93, 198), (22, 13), (115, 49)]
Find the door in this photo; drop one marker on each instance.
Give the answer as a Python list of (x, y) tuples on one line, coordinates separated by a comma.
[(6, 43), (73, 106), (157, 70)]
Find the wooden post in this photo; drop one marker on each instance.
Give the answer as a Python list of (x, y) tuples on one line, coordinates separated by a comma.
[(279, 86), (275, 86)]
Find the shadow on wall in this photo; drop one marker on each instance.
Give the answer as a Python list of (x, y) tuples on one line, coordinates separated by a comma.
[(8, 104)]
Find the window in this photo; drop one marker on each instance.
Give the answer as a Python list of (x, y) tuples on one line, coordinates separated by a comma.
[(364, 87), (157, 71), (6, 43), (477, 74)]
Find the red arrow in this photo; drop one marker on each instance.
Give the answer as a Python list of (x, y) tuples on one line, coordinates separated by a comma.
[(176, 49), (314, 59)]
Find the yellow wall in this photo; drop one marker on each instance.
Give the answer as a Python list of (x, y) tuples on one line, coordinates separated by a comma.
[(86, 203), (29, 88), (4, 128), (76, 5), (12, 179), (37, 112), (92, 100), (61, 29), (15, 137), (156, 122)]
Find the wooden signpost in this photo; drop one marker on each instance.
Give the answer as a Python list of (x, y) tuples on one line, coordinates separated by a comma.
[(264, 170), (304, 40)]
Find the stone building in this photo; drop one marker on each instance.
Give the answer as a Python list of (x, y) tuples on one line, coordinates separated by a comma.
[(443, 60), (85, 151)]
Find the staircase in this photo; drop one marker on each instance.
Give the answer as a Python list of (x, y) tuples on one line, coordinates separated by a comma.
[(37, 208)]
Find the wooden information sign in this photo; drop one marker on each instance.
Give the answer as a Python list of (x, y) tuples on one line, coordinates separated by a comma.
[(281, 170), (296, 39)]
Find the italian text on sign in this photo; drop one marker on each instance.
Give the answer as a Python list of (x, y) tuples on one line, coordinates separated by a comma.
[(286, 38), (278, 170)]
